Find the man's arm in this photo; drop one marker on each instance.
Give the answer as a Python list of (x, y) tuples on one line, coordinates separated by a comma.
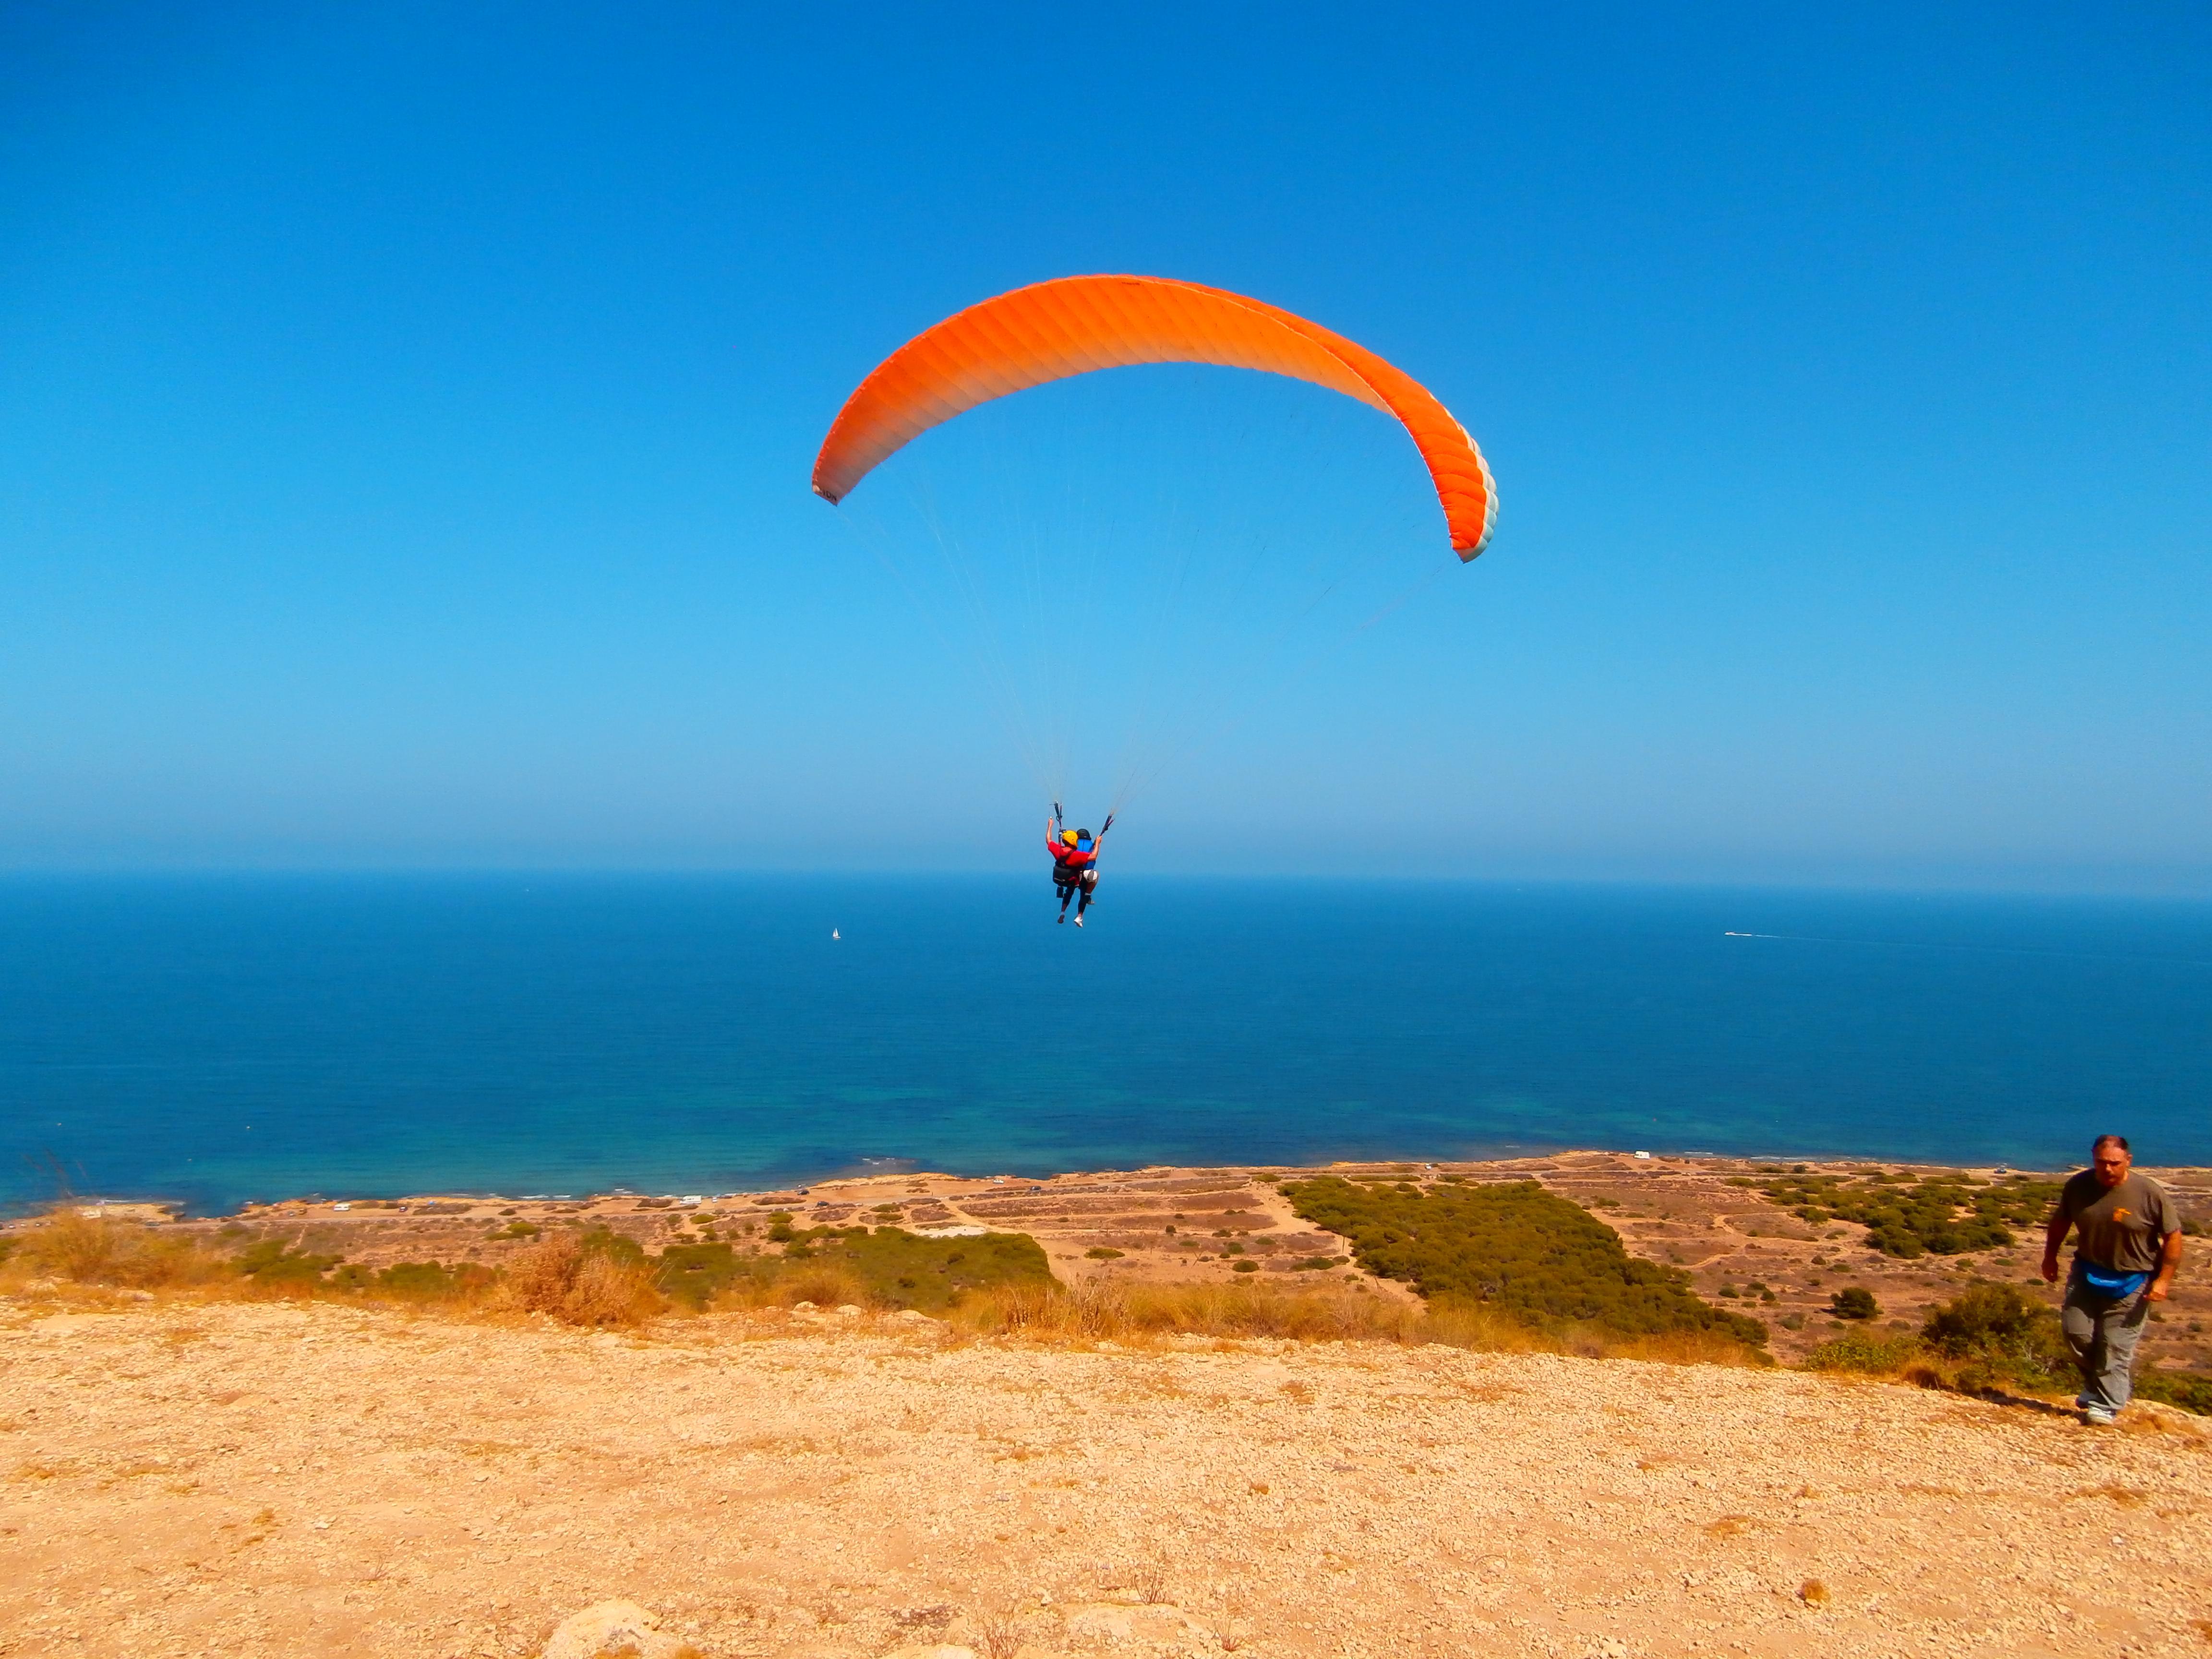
[(2054, 1235), (2169, 1258)]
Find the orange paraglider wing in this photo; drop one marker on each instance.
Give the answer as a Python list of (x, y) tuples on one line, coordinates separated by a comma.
[(1077, 324)]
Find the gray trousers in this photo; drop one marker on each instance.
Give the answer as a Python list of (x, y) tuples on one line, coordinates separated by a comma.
[(2101, 1331)]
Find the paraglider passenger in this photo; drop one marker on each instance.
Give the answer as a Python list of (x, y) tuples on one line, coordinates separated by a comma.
[(1074, 863)]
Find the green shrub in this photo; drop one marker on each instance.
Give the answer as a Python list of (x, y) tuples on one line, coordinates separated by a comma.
[(1863, 1351), (1548, 1261), (2190, 1391), (270, 1262), (619, 1248), (1943, 1213), (430, 1281), (694, 1274), (905, 1270), (1245, 1267), (1854, 1302), (2002, 1333), (1103, 1253), (886, 1265)]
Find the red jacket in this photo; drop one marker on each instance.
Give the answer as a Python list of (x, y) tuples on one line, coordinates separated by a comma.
[(1067, 857)]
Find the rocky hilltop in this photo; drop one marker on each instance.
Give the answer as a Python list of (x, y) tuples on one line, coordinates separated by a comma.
[(337, 1426), (256, 1478)]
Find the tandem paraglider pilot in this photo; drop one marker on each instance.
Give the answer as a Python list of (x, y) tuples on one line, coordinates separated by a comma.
[(1074, 861), (2127, 1244)]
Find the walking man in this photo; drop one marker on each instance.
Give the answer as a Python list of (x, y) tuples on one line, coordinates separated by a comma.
[(2127, 1242)]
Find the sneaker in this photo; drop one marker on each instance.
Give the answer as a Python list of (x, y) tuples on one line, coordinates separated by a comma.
[(2097, 1417), (1063, 916), (1079, 921)]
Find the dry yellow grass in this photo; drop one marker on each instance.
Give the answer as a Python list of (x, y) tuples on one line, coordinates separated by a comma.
[(1135, 1313), (577, 1286), (560, 1276), (67, 1243)]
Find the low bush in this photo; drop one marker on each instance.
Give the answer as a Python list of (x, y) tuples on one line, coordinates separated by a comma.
[(1996, 1334), (834, 1266), (1941, 1213), (2190, 1390), (1854, 1302), (695, 1274), (1989, 1337), (432, 1281), (273, 1265), (1863, 1351), (1540, 1258), (415, 1281), (899, 1269)]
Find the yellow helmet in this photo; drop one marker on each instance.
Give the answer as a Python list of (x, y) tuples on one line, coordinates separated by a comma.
[(1068, 835)]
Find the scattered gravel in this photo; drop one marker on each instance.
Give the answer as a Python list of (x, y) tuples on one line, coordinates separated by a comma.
[(258, 1478)]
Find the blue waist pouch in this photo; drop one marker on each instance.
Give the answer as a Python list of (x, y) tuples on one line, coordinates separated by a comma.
[(2106, 1282)]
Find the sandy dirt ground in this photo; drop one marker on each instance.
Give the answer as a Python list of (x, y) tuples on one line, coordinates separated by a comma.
[(243, 1479)]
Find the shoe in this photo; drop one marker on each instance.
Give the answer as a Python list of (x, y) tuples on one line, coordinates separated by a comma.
[(2097, 1417), (1063, 916), (1079, 921)]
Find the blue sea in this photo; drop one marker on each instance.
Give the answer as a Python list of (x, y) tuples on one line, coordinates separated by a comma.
[(211, 1040)]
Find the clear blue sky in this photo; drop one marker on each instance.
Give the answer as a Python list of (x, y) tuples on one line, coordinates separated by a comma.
[(405, 413)]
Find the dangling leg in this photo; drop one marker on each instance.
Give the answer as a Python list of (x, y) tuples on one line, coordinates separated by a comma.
[(1088, 888), (1066, 893)]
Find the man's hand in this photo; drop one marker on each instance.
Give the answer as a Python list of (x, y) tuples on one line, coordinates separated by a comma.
[(2169, 1262), (2051, 1268)]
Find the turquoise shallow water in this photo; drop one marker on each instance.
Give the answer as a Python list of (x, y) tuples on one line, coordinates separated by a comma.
[(214, 1039)]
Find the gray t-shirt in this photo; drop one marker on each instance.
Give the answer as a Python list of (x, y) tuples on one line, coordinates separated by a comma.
[(2118, 1227)]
